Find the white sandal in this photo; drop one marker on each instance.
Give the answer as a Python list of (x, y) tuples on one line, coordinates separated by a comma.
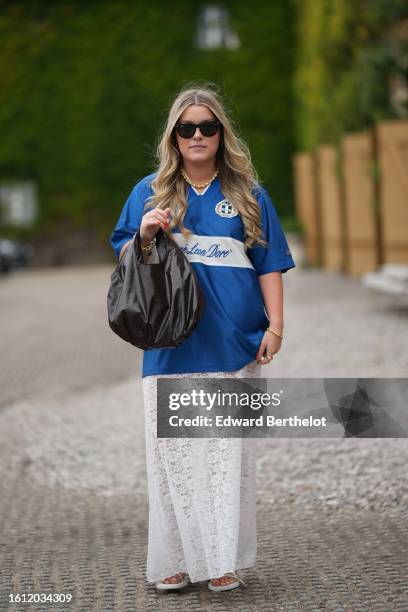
[(227, 587), (169, 586)]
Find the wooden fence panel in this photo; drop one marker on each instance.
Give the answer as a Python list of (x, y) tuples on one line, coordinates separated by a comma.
[(304, 169), (329, 195), (361, 237), (392, 143)]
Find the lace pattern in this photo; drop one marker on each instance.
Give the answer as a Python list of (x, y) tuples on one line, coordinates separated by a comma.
[(202, 497)]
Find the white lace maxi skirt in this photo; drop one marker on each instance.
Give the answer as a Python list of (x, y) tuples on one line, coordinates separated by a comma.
[(202, 496)]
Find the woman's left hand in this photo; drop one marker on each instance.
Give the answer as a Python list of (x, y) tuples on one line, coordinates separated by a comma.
[(269, 346)]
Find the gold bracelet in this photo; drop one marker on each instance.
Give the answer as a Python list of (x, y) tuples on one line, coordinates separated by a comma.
[(149, 247), (272, 331)]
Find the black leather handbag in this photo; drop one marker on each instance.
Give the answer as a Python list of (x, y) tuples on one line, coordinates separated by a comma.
[(154, 305)]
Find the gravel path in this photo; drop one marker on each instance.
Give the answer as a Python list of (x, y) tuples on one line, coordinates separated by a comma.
[(61, 447), (71, 428)]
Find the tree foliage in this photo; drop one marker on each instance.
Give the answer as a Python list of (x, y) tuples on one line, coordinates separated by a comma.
[(346, 53)]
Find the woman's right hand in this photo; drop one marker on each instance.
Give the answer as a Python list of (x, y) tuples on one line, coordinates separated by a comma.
[(152, 221)]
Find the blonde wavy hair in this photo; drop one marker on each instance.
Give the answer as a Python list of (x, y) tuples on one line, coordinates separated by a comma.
[(237, 175)]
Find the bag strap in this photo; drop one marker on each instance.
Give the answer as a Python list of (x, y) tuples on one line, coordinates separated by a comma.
[(162, 242)]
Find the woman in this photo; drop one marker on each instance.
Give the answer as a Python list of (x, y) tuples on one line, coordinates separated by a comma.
[(205, 194)]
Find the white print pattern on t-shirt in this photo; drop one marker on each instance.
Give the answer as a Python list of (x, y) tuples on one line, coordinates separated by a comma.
[(226, 209), (214, 250)]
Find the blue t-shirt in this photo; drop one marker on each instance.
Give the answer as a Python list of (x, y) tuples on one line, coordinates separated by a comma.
[(230, 331)]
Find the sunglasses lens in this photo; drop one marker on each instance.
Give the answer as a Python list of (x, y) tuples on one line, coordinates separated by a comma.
[(209, 128), (186, 130)]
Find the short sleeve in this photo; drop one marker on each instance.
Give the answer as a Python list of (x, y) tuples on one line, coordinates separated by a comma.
[(276, 256), (131, 216)]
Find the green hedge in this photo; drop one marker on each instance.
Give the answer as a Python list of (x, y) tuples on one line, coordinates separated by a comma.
[(84, 88), (345, 53)]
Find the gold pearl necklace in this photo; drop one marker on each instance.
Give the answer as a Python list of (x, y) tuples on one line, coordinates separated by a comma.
[(198, 185)]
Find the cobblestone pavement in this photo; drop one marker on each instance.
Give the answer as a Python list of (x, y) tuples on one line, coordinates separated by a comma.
[(53, 325), (332, 514)]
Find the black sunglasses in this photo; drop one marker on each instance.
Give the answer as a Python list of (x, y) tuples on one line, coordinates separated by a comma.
[(207, 128)]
